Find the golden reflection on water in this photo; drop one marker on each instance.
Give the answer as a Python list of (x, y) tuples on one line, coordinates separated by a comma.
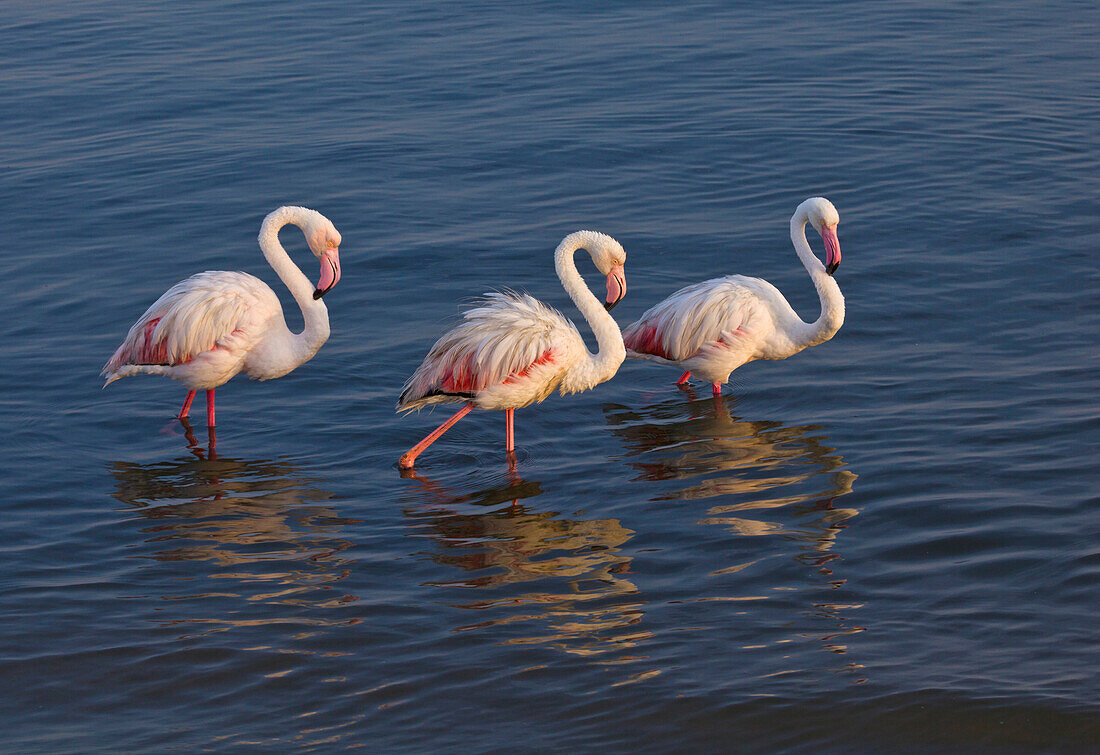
[(764, 480), (263, 528), (590, 605), (771, 480), (752, 466)]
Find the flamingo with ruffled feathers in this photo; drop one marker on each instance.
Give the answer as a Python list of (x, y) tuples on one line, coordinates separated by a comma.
[(715, 326), (207, 328), (513, 351)]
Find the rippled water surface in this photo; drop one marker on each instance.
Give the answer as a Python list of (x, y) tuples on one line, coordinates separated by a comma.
[(888, 541)]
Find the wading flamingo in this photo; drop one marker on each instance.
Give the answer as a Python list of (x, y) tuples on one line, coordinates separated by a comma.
[(513, 350), (715, 326), (206, 329)]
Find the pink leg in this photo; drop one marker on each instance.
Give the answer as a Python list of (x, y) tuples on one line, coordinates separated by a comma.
[(509, 431), (684, 378), (186, 405), (716, 389), (407, 459), (210, 408)]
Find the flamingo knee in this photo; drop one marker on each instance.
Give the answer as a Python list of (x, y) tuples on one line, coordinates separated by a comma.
[(409, 457)]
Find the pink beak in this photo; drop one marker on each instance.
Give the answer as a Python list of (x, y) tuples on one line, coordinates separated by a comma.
[(616, 287), (832, 249), (330, 272)]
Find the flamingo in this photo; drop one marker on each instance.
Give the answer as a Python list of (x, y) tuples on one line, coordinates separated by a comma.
[(207, 328), (715, 326), (513, 350)]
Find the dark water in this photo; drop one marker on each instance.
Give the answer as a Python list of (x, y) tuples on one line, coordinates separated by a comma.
[(889, 541)]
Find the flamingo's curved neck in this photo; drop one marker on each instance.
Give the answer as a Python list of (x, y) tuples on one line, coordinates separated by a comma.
[(314, 311), (832, 301), (605, 362)]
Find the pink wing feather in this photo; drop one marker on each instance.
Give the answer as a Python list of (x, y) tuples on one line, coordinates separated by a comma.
[(499, 342), (193, 316), (709, 312)]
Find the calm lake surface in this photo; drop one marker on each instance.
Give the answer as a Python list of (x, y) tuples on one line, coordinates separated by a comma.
[(890, 541)]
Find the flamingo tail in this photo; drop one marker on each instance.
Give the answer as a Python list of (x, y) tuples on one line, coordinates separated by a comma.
[(127, 370)]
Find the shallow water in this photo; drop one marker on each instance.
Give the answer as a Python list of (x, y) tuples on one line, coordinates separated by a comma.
[(887, 541)]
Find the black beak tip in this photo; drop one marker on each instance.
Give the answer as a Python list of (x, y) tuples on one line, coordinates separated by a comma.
[(318, 294), (609, 305), (830, 269)]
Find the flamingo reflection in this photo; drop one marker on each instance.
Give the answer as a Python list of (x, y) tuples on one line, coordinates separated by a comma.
[(584, 603), (211, 451), (266, 533), (760, 479)]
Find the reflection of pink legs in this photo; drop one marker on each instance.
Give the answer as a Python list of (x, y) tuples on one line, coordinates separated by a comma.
[(186, 405), (210, 408), (189, 435), (684, 378), (407, 459), (716, 389), (193, 443)]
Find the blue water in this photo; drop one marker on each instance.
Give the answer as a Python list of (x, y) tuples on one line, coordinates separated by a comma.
[(889, 541)]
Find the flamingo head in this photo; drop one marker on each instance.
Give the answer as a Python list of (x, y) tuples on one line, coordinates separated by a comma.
[(324, 242), (610, 259), (821, 214)]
